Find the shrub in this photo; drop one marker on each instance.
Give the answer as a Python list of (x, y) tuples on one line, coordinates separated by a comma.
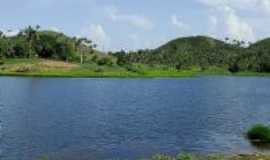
[(24, 69), (179, 157), (234, 68), (184, 157), (1, 62), (99, 70), (162, 157), (134, 68), (105, 61), (259, 133)]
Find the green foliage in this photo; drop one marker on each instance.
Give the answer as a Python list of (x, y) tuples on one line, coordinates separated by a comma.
[(133, 68), (162, 157), (105, 61), (259, 133), (24, 68), (185, 157), (181, 54), (99, 70), (212, 157), (205, 52), (1, 62), (94, 58), (184, 53), (121, 58), (31, 43)]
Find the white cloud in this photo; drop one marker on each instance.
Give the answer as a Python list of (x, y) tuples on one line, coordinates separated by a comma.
[(212, 3), (264, 5), (98, 35), (225, 22), (178, 23), (11, 33), (135, 20), (55, 29), (238, 28), (258, 6)]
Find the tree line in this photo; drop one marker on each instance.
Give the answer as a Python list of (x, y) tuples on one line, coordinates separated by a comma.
[(183, 53), (204, 52), (32, 42)]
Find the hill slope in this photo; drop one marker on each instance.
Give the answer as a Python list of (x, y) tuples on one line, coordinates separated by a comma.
[(193, 51), (262, 44)]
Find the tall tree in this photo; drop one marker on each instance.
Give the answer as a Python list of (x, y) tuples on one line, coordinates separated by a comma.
[(84, 45), (31, 36)]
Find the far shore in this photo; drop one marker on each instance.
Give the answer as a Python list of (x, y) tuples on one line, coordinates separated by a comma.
[(90, 74), (52, 68), (186, 156)]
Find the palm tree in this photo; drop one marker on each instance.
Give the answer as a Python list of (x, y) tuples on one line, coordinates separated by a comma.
[(31, 37), (37, 27), (83, 45)]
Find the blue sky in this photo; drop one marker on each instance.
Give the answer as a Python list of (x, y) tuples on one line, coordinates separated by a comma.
[(130, 25)]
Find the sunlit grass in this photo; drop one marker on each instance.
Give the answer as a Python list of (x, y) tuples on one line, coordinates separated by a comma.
[(52, 68)]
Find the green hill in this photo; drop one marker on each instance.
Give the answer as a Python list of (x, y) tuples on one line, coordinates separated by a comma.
[(200, 53), (32, 42), (262, 44), (257, 57), (187, 52)]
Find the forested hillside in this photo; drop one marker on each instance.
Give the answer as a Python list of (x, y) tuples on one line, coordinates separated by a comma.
[(205, 52), (32, 42), (180, 54)]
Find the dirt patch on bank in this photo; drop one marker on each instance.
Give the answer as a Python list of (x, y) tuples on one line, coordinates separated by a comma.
[(51, 64)]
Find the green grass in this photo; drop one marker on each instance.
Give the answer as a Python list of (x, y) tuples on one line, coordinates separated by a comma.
[(35, 68), (211, 157), (197, 157), (252, 74), (259, 133)]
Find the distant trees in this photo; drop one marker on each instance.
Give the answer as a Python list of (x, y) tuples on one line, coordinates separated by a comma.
[(31, 36), (121, 57), (203, 52), (31, 42), (184, 53), (105, 61), (83, 46)]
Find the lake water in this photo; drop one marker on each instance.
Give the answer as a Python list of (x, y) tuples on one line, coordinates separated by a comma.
[(67, 119)]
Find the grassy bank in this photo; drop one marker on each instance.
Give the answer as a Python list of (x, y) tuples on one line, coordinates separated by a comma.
[(51, 68), (198, 157), (213, 157)]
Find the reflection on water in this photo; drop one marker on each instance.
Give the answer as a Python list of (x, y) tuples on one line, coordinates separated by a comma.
[(123, 118)]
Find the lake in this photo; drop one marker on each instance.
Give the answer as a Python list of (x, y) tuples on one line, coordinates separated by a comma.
[(67, 119)]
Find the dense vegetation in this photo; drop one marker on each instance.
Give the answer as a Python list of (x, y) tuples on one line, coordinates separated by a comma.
[(32, 42), (212, 157), (194, 54), (205, 53), (197, 157), (259, 133)]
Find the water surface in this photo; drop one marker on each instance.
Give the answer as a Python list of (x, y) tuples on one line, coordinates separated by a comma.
[(67, 119)]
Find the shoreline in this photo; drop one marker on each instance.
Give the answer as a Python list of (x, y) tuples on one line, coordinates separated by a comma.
[(55, 69), (188, 156), (130, 75)]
